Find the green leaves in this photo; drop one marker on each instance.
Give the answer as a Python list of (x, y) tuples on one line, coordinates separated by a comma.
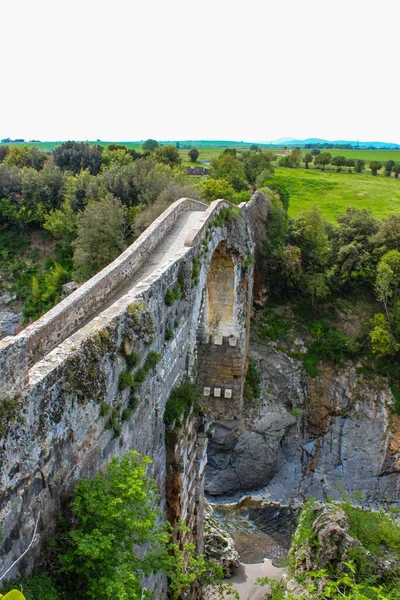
[(116, 512)]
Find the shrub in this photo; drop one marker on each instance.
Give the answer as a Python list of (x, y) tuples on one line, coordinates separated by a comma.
[(140, 375), (8, 410), (132, 360), (133, 402), (195, 267), (272, 326), (376, 530), (169, 334), (181, 400), (253, 379), (331, 345), (115, 513), (126, 379), (152, 360), (37, 587), (105, 409), (126, 414), (172, 295)]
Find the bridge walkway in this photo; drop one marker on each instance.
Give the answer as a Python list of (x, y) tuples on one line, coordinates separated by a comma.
[(171, 247)]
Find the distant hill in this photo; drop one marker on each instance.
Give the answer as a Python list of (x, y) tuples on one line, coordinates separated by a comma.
[(355, 143)]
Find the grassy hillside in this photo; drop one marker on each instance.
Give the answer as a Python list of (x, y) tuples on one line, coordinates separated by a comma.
[(333, 192)]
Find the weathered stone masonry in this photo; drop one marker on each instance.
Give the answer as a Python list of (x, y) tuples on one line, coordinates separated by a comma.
[(59, 427)]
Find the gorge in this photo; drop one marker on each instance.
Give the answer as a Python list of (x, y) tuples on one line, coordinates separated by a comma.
[(176, 306)]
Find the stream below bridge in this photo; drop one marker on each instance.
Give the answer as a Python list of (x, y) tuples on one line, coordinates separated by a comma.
[(262, 535)]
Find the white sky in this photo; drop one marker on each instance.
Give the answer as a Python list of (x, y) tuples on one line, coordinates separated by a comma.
[(214, 69)]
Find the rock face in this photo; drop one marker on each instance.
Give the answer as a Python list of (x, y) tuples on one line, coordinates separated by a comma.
[(9, 321), (329, 546), (218, 544), (256, 454), (318, 437)]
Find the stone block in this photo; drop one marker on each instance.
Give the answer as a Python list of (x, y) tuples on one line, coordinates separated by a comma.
[(228, 393), (206, 391), (217, 340), (217, 392), (232, 341)]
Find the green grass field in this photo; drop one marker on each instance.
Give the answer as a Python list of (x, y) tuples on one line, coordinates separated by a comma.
[(367, 155), (333, 192)]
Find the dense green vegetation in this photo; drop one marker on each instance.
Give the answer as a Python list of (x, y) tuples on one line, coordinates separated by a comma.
[(354, 575)]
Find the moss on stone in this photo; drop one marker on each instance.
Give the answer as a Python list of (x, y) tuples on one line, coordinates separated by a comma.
[(8, 412)]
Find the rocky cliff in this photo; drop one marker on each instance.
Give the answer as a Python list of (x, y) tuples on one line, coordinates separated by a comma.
[(322, 437)]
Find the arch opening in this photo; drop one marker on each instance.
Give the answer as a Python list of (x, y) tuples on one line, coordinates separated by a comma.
[(219, 301)]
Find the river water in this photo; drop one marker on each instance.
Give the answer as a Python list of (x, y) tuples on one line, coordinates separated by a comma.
[(259, 531), (262, 535)]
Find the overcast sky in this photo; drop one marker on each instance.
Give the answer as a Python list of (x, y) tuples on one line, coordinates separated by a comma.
[(214, 69)]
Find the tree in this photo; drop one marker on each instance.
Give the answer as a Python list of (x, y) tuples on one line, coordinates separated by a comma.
[(315, 151), (322, 160), (62, 224), (3, 152), (77, 156), (193, 155), (150, 145), (388, 236), (116, 518), (102, 236), (117, 156), (387, 284), (295, 157), (309, 231), (228, 167), (214, 189), (308, 158), (383, 343), (141, 216), (389, 167), (167, 155), (375, 166), (255, 163), (254, 148), (396, 170), (338, 162), (353, 242), (350, 162), (149, 178), (24, 156), (359, 165), (356, 226)]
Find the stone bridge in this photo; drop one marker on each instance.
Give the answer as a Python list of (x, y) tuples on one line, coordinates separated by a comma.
[(90, 379)]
